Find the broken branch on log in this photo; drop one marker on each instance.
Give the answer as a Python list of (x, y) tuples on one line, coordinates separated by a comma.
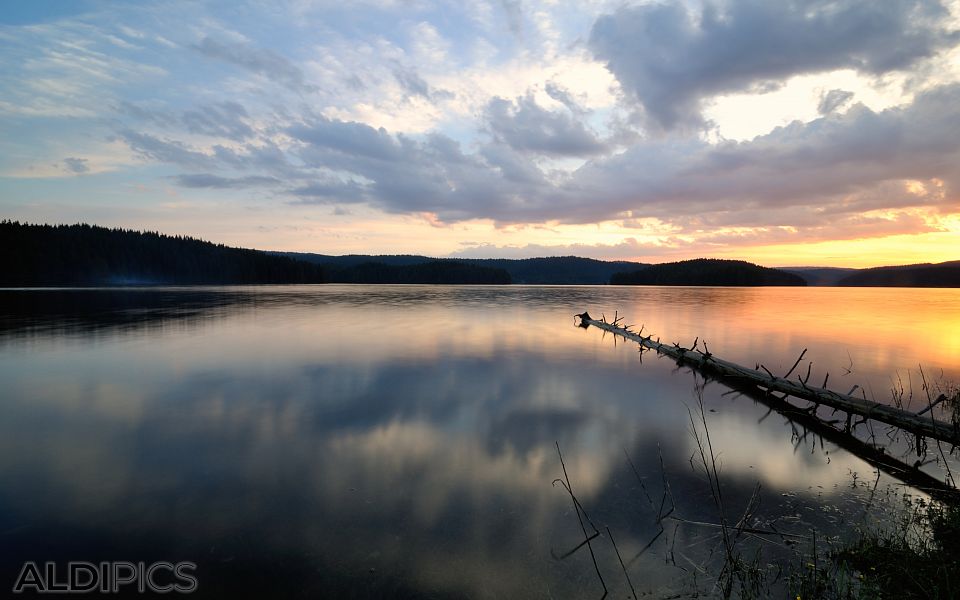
[(927, 426)]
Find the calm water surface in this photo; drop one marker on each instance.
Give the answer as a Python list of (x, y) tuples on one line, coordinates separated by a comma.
[(357, 441)]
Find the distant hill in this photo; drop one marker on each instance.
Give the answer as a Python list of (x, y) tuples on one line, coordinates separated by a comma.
[(87, 255), (562, 270), (354, 260), (430, 272), (820, 276), (945, 274), (707, 271), (559, 270)]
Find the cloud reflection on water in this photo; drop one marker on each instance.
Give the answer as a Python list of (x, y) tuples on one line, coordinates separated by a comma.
[(413, 436)]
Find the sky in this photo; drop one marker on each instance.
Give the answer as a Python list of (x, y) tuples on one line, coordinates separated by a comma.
[(797, 132)]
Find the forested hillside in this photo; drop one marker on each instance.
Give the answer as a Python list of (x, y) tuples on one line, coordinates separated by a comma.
[(85, 255), (945, 274), (707, 271), (554, 270), (430, 272)]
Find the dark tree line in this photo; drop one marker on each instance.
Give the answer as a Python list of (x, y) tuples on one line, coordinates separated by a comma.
[(707, 271), (557, 270), (87, 255), (563, 270), (434, 271), (925, 275), (84, 255)]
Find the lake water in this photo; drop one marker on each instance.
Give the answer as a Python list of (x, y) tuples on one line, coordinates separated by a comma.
[(360, 441)]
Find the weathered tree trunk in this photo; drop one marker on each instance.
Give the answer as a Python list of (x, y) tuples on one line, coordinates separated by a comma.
[(922, 425)]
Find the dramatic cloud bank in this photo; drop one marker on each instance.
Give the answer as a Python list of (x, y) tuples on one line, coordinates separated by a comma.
[(671, 58), (523, 116)]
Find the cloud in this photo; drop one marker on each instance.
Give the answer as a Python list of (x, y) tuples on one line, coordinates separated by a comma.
[(261, 155), (350, 139), (544, 127), (76, 165), (160, 118), (411, 82), (261, 61), (428, 45), (835, 161), (842, 227), (228, 119), (223, 119), (513, 10), (563, 96), (167, 151), (803, 175), (711, 240), (629, 248), (206, 180), (407, 175), (833, 100), (66, 69), (670, 60), (838, 164), (527, 127), (512, 166), (415, 85), (328, 190)]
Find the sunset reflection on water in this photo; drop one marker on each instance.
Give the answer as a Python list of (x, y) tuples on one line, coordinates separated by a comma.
[(401, 440)]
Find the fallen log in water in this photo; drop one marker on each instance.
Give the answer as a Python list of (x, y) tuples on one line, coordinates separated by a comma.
[(924, 425), (874, 455)]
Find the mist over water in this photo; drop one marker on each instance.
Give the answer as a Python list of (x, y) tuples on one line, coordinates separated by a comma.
[(361, 441)]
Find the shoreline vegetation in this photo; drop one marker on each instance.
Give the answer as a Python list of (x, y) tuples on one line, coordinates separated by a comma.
[(909, 550), (85, 255)]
